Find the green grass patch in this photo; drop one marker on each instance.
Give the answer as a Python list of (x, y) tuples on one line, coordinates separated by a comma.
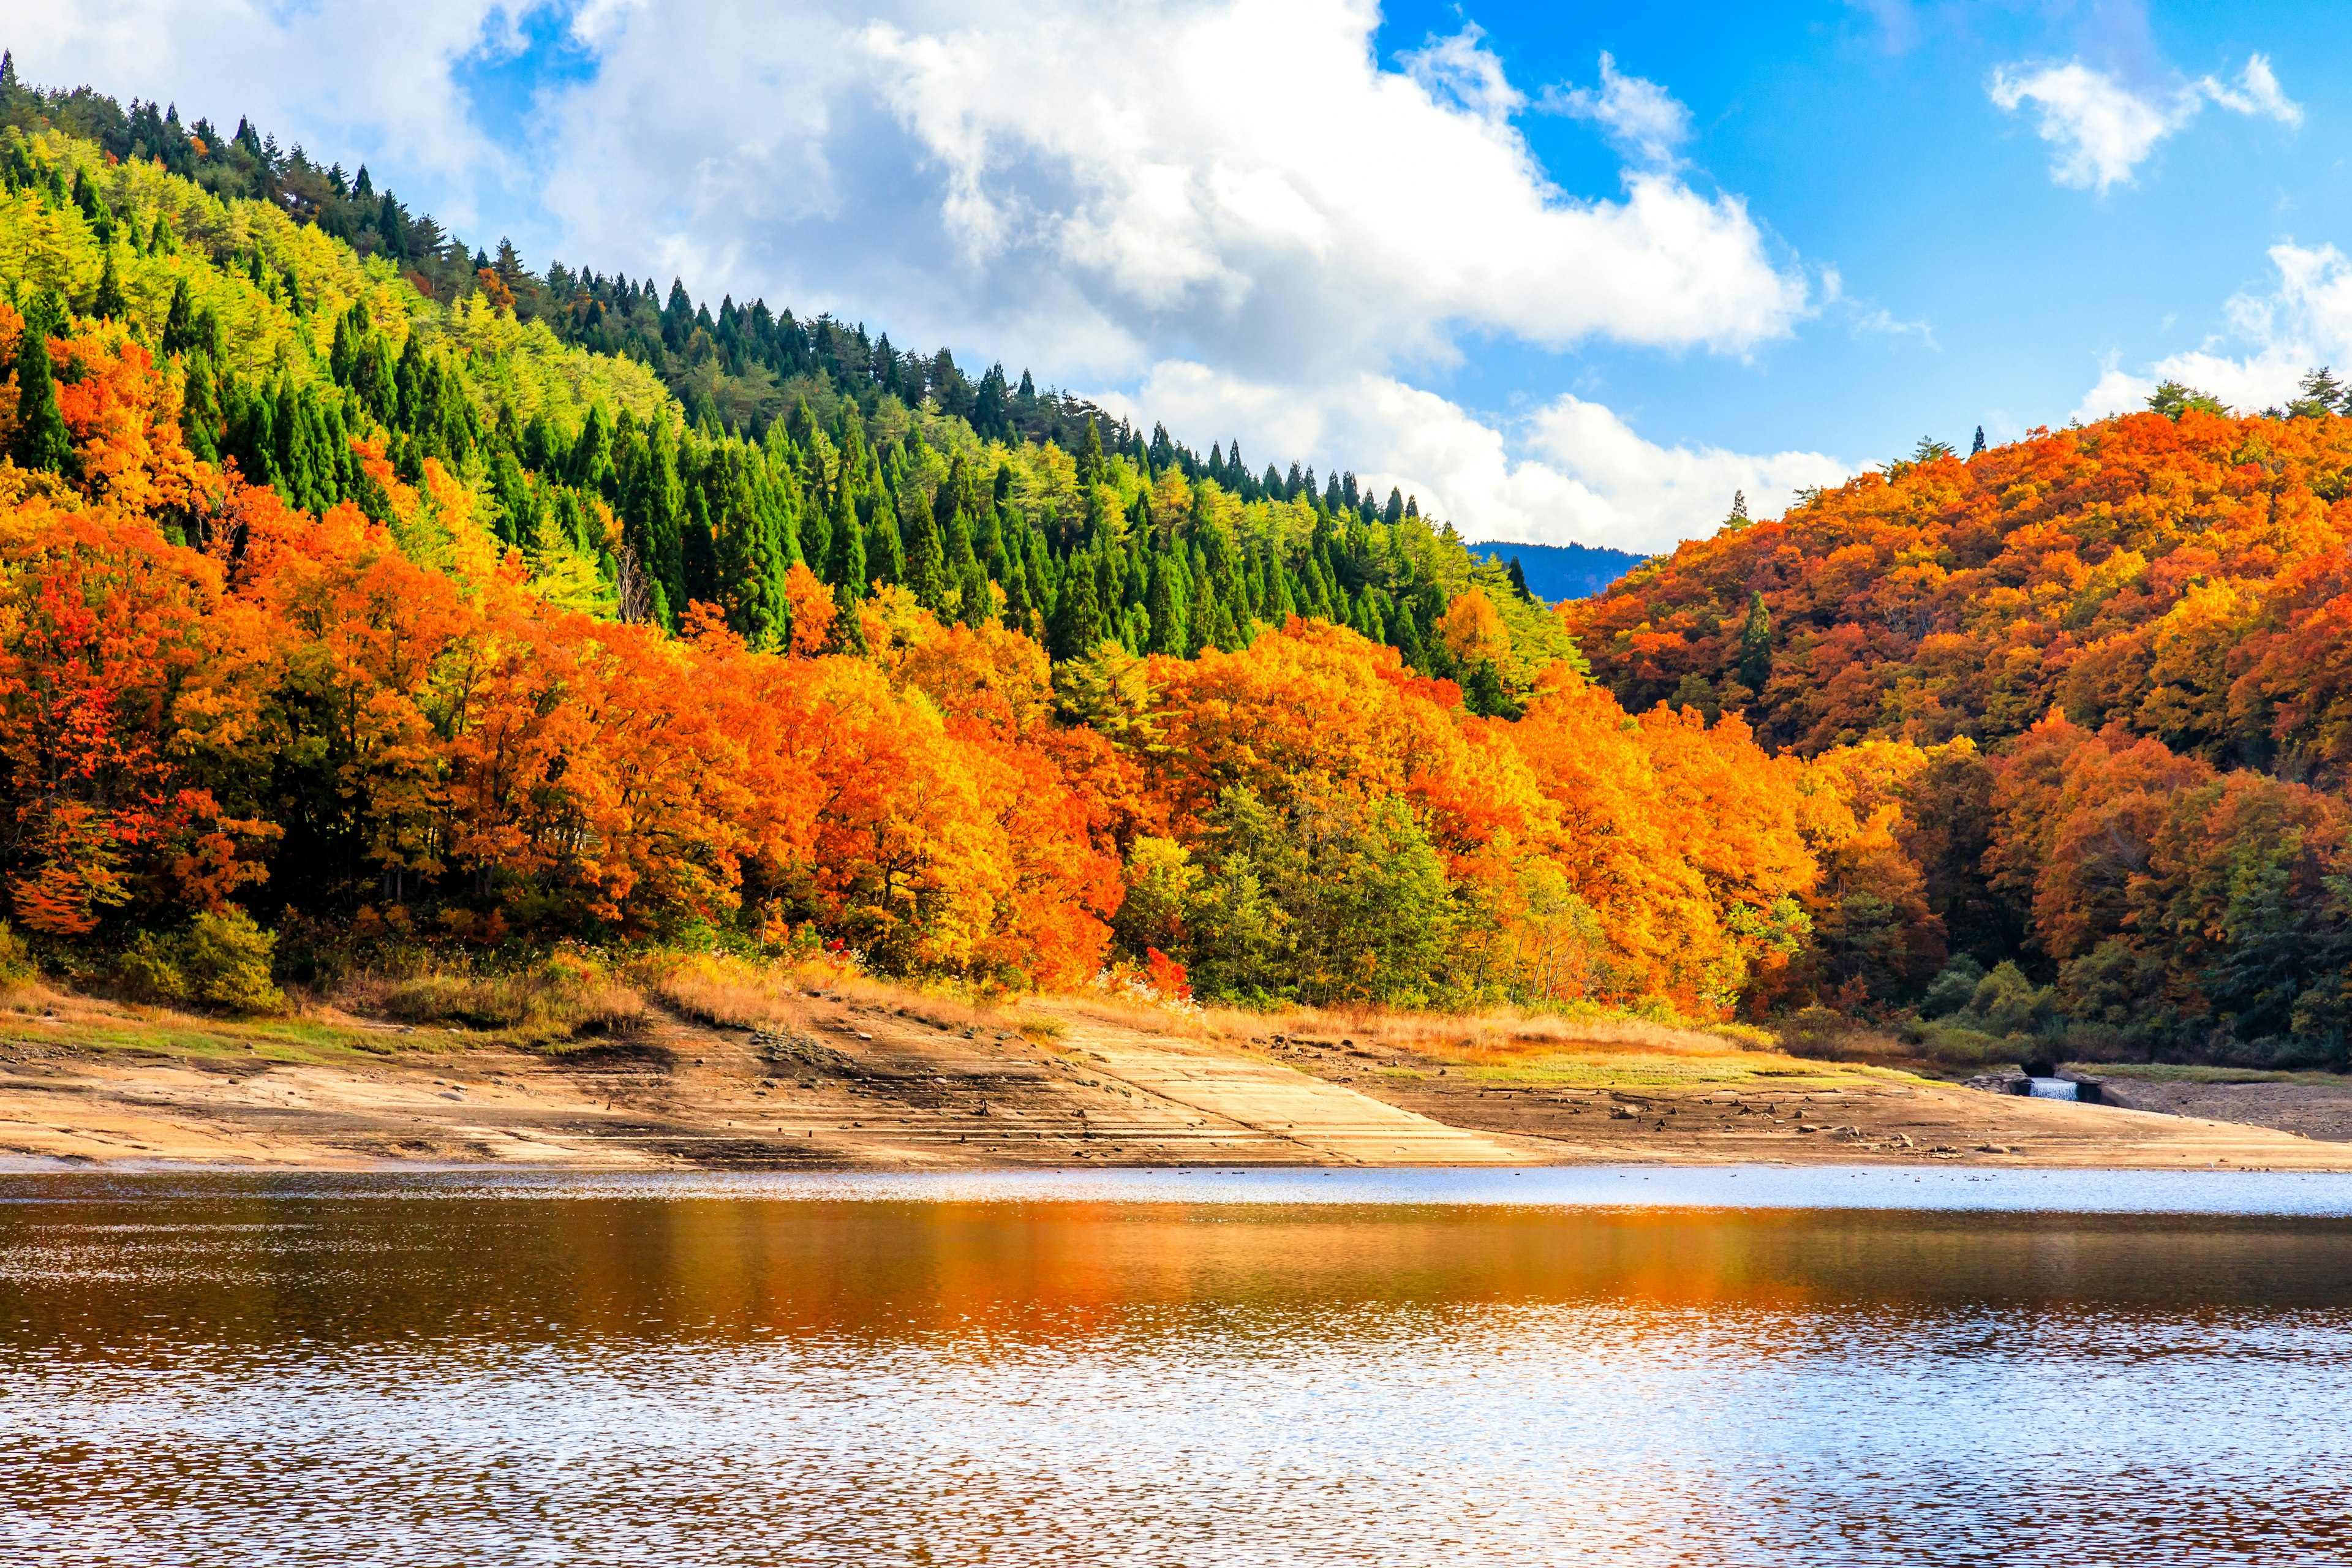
[(80, 1025), (276, 1039), (2178, 1072)]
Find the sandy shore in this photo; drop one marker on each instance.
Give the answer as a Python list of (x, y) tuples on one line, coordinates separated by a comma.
[(867, 1086)]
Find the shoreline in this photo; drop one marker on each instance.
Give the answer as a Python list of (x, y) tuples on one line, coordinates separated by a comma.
[(855, 1086)]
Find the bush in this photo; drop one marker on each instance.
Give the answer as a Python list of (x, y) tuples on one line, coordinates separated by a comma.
[(227, 963), (1952, 990), (222, 960), (150, 969), (17, 967), (2007, 1002)]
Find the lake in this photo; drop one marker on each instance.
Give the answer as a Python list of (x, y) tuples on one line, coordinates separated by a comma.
[(1596, 1367)]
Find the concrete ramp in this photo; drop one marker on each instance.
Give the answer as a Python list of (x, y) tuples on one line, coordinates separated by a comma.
[(1251, 1110)]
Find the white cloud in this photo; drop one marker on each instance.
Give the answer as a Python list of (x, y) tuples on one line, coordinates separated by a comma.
[(1094, 191), (2305, 320), (1644, 119), (2257, 93), (342, 76), (1458, 69), (1573, 471), (2103, 130)]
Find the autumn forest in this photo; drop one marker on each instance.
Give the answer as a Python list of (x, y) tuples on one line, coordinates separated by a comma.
[(360, 587)]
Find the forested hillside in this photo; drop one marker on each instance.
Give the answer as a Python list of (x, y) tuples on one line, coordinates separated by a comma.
[(2102, 677), (365, 603), (362, 591)]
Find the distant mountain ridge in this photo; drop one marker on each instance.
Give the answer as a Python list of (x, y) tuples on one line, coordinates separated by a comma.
[(1558, 572)]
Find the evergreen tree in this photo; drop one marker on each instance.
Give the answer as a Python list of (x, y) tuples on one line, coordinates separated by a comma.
[(1484, 694), (179, 321), (42, 442), (926, 573), (1755, 644), (977, 605), (2322, 394), (1979, 444), (110, 305), (1077, 615), (886, 550), (849, 629), (1090, 457)]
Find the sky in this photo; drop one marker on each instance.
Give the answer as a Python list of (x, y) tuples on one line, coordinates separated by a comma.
[(1563, 272)]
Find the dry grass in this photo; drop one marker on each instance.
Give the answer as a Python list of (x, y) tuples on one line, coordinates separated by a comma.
[(555, 1003), (734, 994)]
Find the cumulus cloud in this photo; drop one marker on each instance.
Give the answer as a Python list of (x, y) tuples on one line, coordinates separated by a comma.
[(1252, 187), (341, 76), (1574, 470), (2103, 130), (1642, 119), (2304, 321)]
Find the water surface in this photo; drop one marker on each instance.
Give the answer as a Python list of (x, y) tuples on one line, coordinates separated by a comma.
[(1406, 1368)]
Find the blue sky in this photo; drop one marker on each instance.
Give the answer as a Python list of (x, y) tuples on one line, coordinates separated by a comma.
[(1437, 243)]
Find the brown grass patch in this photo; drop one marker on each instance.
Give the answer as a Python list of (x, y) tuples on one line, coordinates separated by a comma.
[(557, 1002), (734, 994)]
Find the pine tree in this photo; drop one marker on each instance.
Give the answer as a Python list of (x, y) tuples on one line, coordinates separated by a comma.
[(2322, 394), (42, 442), (110, 304), (977, 605), (1077, 617), (1979, 444), (926, 574), (886, 548), (1090, 457), (1165, 604), (1756, 645), (179, 321), (849, 630)]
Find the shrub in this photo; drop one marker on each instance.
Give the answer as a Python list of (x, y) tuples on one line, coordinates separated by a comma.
[(226, 959), (150, 969), (1952, 990), (2007, 1002), (17, 967), (223, 960)]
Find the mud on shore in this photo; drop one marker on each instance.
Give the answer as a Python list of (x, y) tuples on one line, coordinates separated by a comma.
[(860, 1084)]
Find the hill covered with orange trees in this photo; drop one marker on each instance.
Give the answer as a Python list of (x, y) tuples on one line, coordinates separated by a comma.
[(2103, 675), (333, 611)]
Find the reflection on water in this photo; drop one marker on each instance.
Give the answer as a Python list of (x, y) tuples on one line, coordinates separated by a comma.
[(224, 1371)]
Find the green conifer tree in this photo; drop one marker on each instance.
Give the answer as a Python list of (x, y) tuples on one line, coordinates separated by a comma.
[(110, 304), (926, 567), (1090, 457), (1755, 644), (848, 630), (976, 606), (42, 441), (1077, 616)]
